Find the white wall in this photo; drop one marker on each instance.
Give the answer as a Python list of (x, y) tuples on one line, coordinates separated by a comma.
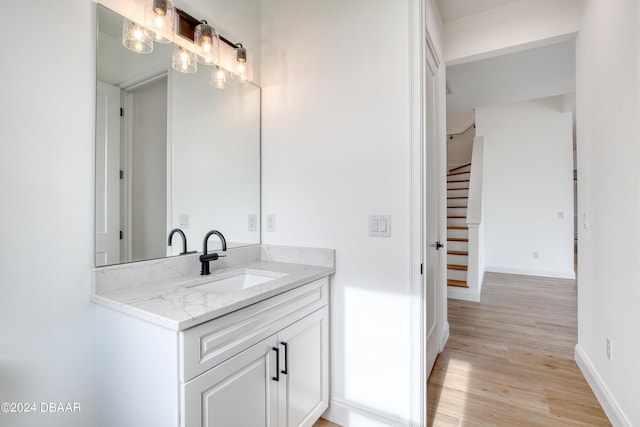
[(336, 148), (608, 193), (528, 180), (459, 148), (516, 26), (46, 170)]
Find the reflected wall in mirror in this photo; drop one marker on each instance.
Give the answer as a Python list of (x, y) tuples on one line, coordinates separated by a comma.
[(171, 152)]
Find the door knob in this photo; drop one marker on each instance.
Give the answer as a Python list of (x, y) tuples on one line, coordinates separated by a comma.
[(439, 245)]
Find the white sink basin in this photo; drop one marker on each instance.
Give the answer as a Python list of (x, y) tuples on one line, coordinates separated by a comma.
[(236, 281)]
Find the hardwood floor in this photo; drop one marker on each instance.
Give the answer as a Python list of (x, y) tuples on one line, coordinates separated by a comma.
[(509, 359)]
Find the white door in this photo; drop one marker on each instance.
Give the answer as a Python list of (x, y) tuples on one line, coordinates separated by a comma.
[(107, 174), (303, 392), (431, 215), (238, 392)]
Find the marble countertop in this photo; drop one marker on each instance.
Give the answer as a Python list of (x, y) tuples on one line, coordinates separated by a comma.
[(179, 302)]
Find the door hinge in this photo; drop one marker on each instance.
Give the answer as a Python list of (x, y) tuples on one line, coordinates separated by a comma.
[(121, 174), (421, 268), (120, 234), (121, 112)]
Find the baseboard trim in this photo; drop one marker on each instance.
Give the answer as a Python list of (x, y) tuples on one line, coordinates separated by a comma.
[(349, 415), (556, 274), (604, 396), (445, 337), (463, 294)]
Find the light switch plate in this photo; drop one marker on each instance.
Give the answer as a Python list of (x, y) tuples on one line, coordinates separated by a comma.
[(271, 222), (379, 225), (253, 222), (183, 221)]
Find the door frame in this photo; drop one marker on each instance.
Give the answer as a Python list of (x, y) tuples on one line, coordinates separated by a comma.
[(423, 49)]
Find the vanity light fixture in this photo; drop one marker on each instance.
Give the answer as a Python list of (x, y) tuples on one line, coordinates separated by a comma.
[(207, 44), (163, 22), (136, 38), (218, 77), (183, 60), (159, 19)]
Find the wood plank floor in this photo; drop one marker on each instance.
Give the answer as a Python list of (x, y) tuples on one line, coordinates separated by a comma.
[(509, 359)]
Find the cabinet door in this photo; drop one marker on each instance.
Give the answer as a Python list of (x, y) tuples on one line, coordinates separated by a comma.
[(238, 392), (303, 389)]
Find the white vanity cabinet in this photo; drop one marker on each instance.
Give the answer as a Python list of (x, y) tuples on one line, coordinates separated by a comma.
[(281, 381), (261, 365)]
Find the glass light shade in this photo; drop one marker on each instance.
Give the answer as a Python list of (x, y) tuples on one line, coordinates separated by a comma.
[(243, 64), (136, 38), (159, 18), (207, 44), (219, 77), (183, 60)]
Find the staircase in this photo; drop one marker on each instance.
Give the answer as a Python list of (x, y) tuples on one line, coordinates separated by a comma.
[(457, 229)]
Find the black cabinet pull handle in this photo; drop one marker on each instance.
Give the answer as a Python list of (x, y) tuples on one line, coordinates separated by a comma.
[(286, 358), (277, 377)]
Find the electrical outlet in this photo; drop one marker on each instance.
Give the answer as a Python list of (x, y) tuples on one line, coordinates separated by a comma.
[(609, 349), (536, 255)]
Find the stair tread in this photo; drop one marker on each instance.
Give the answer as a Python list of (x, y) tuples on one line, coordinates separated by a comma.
[(458, 180), (461, 206), (457, 173), (463, 253), (457, 267), (458, 197), (455, 189), (457, 227), (456, 216), (459, 167), (457, 239), (457, 283)]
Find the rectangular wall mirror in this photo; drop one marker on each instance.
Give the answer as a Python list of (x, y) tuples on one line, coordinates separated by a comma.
[(172, 151)]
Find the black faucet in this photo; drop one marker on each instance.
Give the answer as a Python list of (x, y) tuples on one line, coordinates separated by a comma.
[(184, 240), (206, 257)]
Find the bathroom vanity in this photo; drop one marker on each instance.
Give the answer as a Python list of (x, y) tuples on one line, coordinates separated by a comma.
[(246, 346)]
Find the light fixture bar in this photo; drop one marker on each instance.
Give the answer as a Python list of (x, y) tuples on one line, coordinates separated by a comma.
[(186, 26)]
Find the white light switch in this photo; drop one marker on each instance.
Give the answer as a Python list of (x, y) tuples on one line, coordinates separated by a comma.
[(183, 221), (253, 222), (379, 225), (271, 222)]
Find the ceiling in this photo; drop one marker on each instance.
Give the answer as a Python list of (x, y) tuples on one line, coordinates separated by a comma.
[(529, 74), (517, 76), (450, 10)]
